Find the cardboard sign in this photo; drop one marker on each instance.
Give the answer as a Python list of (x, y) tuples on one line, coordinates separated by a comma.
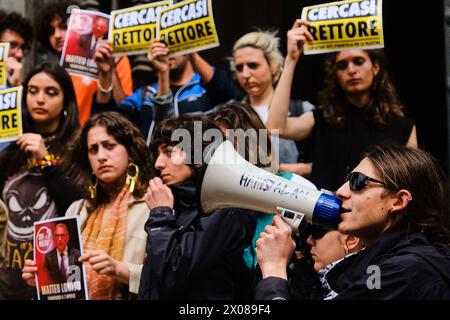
[(188, 27), (10, 114), (57, 247), (352, 24), (4, 48), (131, 30), (84, 34)]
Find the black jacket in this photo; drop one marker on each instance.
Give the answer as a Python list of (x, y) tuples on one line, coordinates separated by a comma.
[(191, 256), (408, 265)]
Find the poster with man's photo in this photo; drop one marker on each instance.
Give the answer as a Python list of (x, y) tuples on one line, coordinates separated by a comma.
[(85, 31), (57, 247)]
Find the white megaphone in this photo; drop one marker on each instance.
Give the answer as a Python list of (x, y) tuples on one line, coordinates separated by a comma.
[(229, 181)]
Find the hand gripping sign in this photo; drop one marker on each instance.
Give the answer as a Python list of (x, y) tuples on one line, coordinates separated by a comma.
[(344, 25), (188, 27), (132, 29)]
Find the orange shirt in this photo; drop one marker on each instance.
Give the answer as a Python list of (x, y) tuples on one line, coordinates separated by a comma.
[(85, 88)]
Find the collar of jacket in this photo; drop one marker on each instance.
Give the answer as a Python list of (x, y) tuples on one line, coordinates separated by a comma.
[(389, 243), (185, 195)]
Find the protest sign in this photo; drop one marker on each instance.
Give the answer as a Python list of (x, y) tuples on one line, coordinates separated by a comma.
[(188, 27), (10, 114), (84, 34), (352, 24), (131, 30), (4, 48), (57, 247)]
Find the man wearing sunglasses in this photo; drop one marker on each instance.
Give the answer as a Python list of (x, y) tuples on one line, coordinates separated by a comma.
[(16, 30)]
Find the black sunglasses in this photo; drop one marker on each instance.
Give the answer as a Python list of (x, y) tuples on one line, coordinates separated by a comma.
[(357, 180), (318, 232)]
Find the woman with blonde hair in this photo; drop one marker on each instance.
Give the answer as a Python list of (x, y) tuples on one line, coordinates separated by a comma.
[(257, 64)]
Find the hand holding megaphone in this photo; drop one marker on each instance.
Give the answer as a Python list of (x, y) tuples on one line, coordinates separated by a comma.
[(229, 181)]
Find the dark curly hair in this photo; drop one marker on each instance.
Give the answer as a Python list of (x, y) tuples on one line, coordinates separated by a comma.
[(14, 21), (125, 134), (50, 12), (418, 172), (384, 99)]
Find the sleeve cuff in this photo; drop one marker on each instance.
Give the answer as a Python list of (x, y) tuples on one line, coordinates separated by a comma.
[(135, 277), (161, 100), (272, 288)]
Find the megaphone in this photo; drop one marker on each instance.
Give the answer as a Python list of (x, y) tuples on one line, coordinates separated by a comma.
[(229, 181)]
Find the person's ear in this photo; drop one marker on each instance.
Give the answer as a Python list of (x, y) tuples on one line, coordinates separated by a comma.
[(352, 244), (376, 68), (401, 199)]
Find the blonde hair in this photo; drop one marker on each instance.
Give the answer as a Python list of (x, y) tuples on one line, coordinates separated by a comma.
[(269, 43)]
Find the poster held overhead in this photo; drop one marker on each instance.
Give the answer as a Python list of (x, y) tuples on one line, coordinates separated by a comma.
[(132, 29), (344, 25), (188, 27), (84, 34)]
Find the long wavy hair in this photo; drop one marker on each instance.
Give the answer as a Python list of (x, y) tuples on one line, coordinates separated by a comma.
[(384, 99), (12, 158), (125, 134), (418, 172)]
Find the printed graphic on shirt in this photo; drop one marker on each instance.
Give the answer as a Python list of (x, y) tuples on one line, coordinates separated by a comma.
[(352, 24), (10, 114), (188, 27), (85, 32), (131, 30)]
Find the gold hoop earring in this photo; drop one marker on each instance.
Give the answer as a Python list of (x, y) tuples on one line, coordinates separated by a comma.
[(132, 179), (93, 187)]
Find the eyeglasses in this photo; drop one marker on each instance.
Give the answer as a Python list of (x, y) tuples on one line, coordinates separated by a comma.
[(16, 46), (318, 232), (357, 180)]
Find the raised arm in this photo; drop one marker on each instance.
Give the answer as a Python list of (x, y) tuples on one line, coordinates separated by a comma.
[(293, 127), (157, 56)]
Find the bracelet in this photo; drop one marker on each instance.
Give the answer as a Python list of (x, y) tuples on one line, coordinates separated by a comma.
[(47, 161), (103, 90)]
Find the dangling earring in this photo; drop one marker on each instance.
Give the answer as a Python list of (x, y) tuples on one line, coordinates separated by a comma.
[(93, 186), (65, 113), (132, 179)]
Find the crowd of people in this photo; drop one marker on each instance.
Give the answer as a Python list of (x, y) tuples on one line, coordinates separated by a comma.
[(97, 150)]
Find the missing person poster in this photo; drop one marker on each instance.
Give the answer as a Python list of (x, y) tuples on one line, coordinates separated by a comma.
[(4, 48), (188, 27), (57, 247), (344, 25), (10, 114), (84, 34), (131, 30)]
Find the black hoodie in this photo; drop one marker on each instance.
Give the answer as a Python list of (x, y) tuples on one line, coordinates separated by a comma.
[(192, 256)]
